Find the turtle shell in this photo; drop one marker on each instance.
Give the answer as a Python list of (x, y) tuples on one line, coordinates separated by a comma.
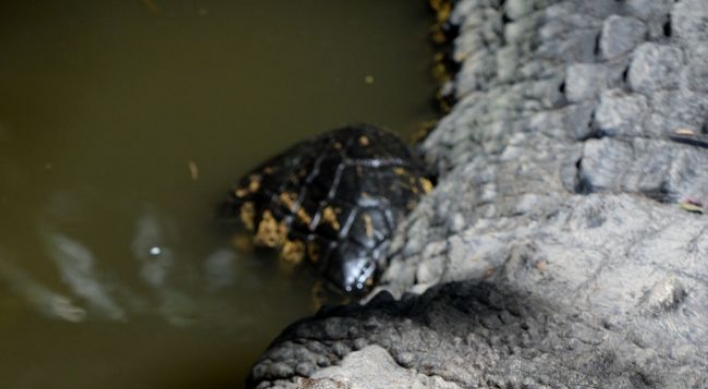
[(333, 200)]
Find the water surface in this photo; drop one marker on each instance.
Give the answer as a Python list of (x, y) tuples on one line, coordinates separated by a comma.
[(122, 124)]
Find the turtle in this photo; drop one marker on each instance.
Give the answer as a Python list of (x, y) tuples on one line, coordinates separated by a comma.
[(333, 201)]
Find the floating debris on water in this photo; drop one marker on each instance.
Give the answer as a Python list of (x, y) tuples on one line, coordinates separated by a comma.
[(152, 7), (193, 170)]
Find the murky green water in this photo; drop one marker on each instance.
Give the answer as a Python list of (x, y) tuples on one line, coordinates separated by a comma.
[(122, 124)]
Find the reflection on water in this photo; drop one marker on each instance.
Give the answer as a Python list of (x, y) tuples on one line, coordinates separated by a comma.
[(76, 266), (121, 126), (43, 300)]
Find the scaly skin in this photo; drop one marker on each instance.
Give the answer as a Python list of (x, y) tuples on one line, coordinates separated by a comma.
[(565, 181)]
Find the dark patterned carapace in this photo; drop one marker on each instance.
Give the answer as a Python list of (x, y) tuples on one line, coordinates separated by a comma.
[(333, 200)]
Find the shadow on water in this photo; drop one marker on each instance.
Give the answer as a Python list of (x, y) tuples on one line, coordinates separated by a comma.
[(121, 126)]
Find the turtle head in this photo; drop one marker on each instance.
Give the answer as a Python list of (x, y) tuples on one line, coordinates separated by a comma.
[(353, 271), (358, 275)]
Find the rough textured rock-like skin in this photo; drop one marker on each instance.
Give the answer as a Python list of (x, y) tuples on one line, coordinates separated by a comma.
[(561, 184), (464, 335)]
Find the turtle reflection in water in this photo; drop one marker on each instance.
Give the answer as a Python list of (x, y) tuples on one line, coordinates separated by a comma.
[(333, 200)]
